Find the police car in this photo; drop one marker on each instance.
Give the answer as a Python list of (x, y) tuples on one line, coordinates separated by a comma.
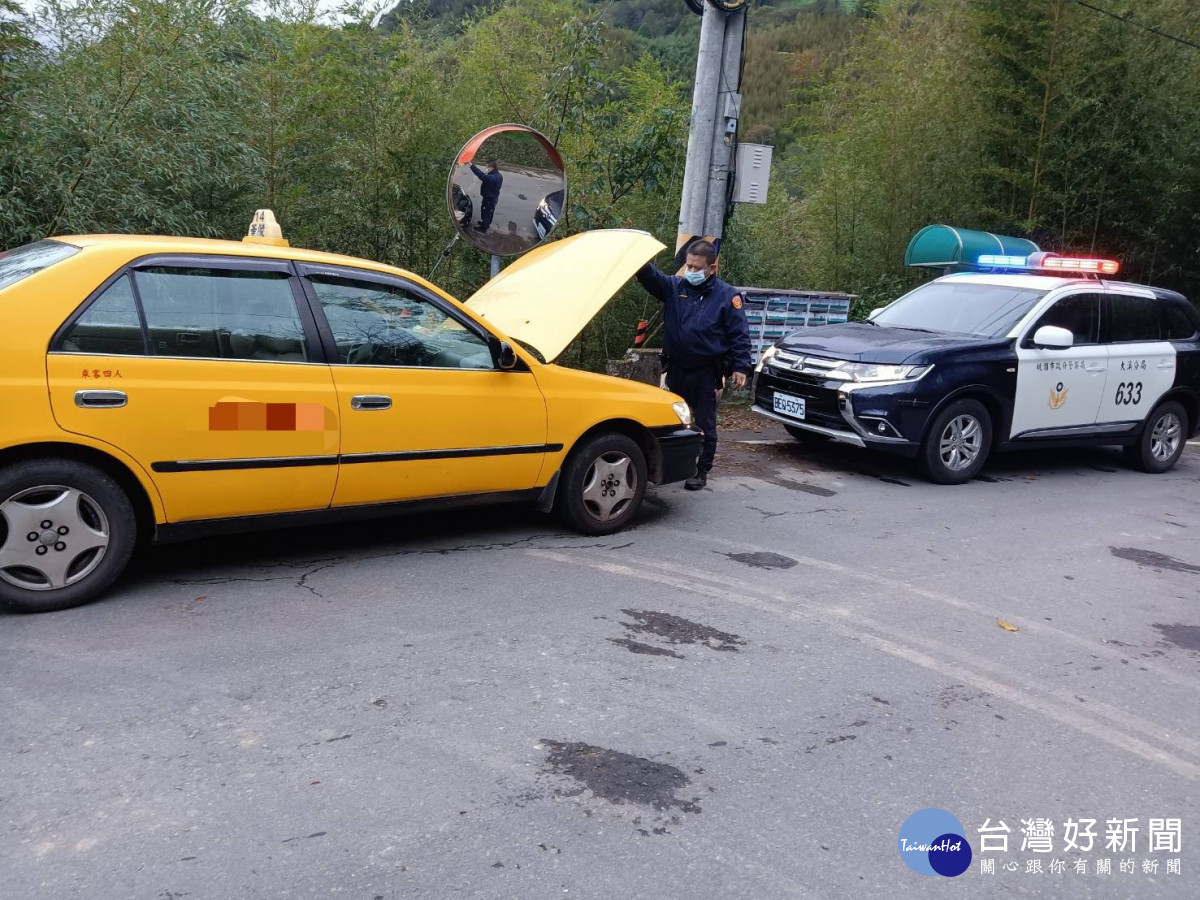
[(1033, 351)]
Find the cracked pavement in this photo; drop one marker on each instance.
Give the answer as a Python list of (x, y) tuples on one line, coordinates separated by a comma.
[(482, 705)]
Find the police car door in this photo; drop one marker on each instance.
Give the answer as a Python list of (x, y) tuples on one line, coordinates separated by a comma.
[(1059, 390), (1141, 367)]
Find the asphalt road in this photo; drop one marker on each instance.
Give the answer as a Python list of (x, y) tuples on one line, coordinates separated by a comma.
[(744, 696)]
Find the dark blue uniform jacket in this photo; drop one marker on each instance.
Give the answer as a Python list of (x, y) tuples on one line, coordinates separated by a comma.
[(490, 189), (701, 325)]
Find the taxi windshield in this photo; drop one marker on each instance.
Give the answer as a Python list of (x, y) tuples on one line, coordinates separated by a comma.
[(21, 262), (986, 310)]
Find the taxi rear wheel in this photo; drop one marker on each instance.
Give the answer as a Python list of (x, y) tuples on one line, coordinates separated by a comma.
[(957, 444), (67, 531), (1162, 440), (603, 484)]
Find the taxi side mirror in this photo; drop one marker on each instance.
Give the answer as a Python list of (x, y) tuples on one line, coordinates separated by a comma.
[(1051, 337), (506, 357)]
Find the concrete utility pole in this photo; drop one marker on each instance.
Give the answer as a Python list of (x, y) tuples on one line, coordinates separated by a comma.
[(716, 106)]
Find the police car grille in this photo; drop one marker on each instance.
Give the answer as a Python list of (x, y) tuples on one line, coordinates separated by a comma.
[(803, 378), (814, 368)]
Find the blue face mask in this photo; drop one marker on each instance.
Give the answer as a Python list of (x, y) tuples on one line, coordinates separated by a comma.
[(695, 278)]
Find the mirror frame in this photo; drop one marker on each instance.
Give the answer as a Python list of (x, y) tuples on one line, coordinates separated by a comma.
[(467, 155), (503, 355)]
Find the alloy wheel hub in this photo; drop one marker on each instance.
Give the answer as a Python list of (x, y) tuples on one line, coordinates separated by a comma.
[(610, 486), (54, 537)]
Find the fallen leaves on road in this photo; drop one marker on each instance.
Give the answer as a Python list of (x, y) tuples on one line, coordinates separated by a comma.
[(1007, 626)]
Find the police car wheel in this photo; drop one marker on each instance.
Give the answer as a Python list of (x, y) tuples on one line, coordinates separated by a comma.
[(603, 484), (957, 444), (1162, 439), (67, 531)]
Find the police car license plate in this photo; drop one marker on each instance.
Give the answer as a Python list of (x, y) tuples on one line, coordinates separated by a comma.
[(789, 405)]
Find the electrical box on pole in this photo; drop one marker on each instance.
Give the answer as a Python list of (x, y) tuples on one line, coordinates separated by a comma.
[(753, 176)]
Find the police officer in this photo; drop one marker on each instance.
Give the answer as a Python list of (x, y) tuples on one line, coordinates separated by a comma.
[(489, 192), (705, 335)]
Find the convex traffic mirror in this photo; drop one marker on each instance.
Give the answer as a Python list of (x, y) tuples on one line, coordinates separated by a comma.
[(507, 190)]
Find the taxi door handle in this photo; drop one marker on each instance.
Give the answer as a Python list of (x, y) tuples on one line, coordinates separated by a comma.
[(370, 401), (100, 399)]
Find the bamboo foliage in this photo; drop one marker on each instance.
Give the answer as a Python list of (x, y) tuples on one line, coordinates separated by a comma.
[(1034, 117), (1031, 117)]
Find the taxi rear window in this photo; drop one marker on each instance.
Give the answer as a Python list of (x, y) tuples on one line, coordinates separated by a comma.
[(21, 262)]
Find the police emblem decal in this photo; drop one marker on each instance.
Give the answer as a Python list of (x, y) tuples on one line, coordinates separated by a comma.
[(1058, 396)]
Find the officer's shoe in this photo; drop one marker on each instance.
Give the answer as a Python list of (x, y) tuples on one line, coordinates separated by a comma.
[(697, 482)]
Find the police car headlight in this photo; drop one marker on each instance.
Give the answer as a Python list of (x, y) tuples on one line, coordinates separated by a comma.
[(767, 356), (683, 411), (871, 372)]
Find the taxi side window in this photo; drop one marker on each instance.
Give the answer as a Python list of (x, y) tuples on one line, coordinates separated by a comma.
[(377, 324), (221, 314), (1078, 313), (110, 325), (1133, 319)]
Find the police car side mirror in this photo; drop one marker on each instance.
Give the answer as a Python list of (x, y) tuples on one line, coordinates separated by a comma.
[(506, 357), (873, 313), (1051, 337)]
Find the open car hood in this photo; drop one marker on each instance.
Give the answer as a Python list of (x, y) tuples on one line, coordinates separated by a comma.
[(547, 296)]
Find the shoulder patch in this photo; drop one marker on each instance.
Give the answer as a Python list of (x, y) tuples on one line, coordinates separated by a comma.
[(737, 301)]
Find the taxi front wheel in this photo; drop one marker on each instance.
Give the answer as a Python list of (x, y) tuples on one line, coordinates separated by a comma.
[(602, 485), (1162, 440), (67, 531), (958, 443)]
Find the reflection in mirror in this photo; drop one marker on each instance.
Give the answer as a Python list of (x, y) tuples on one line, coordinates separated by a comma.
[(506, 190)]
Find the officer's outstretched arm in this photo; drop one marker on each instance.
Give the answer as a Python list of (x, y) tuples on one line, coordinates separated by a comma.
[(655, 282), (479, 173)]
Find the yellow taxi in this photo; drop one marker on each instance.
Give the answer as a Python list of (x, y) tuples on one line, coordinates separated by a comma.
[(160, 388)]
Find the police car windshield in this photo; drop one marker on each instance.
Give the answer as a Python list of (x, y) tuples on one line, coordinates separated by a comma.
[(987, 310)]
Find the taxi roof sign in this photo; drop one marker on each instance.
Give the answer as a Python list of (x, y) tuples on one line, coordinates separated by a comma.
[(265, 230)]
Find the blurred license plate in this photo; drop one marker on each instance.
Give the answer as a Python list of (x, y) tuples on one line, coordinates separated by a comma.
[(789, 405)]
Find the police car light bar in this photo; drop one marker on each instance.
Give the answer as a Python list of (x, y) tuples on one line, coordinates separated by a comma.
[(993, 259), (1051, 262), (1078, 264)]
